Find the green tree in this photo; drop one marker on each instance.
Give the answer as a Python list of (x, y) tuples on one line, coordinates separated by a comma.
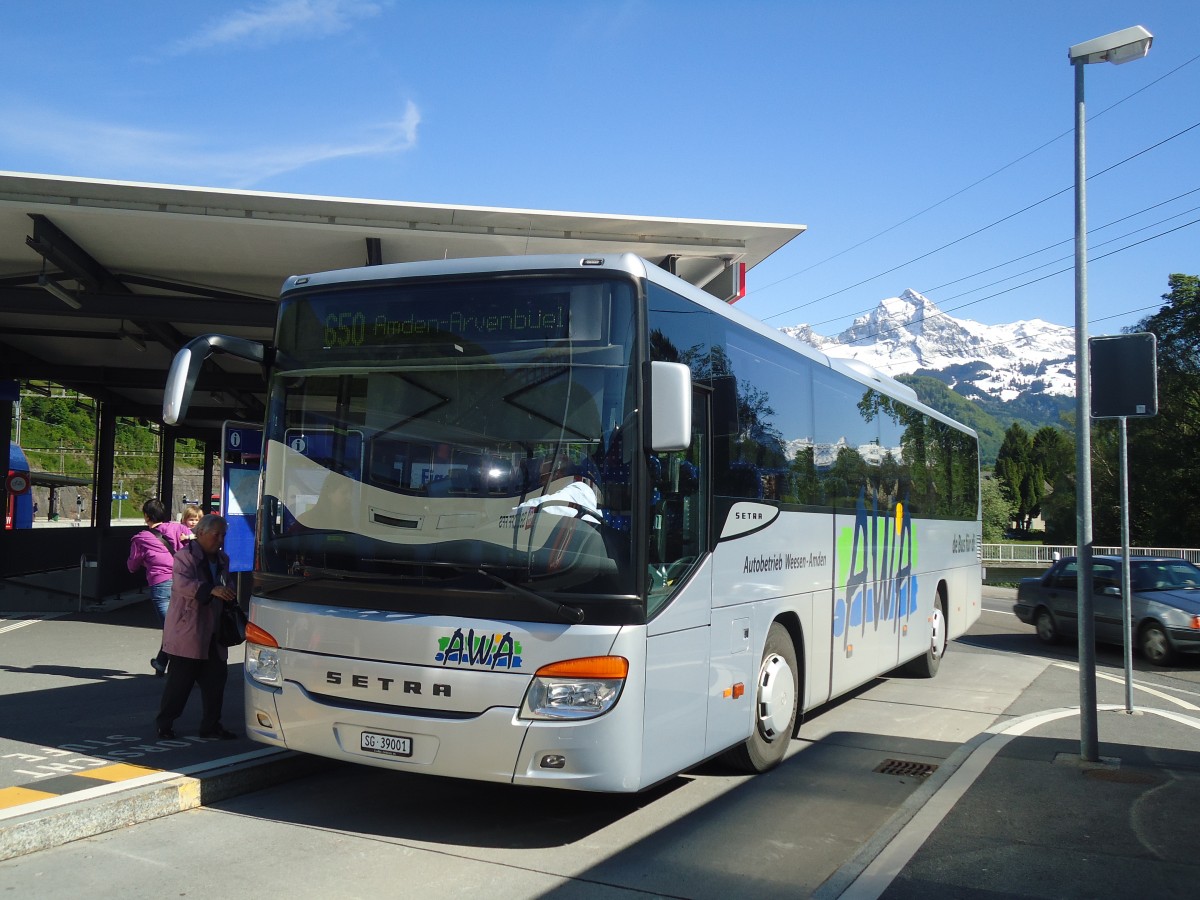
[(1053, 450), (1164, 468), (998, 513), (1053, 453), (1021, 479)]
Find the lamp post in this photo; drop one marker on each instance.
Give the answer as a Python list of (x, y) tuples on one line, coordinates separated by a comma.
[(1118, 47)]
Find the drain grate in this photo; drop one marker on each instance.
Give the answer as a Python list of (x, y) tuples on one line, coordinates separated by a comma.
[(905, 767)]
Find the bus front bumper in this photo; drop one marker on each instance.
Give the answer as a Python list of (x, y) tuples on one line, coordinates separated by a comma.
[(601, 754)]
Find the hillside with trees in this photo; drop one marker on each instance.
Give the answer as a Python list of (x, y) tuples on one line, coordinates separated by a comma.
[(935, 394), (57, 430)]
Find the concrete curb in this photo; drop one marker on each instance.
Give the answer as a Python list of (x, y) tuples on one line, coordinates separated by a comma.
[(85, 814)]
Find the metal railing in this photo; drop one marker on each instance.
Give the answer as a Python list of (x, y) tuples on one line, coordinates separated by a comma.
[(1047, 553)]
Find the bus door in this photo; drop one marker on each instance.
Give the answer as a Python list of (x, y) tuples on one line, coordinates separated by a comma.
[(679, 597)]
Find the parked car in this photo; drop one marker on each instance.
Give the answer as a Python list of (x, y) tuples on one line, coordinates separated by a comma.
[(1165, 604)]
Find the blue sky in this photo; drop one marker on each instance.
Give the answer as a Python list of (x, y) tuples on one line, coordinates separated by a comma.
[(849, 117)]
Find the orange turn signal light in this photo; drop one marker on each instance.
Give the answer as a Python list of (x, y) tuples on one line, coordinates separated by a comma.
[(586, 667), (256, 635)]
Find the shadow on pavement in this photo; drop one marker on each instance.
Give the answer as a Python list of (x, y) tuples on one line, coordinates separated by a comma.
[(821, 826), (81, 686), (1067, 831)]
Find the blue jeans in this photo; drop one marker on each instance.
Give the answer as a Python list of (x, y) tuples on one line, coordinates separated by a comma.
[(161, 595)]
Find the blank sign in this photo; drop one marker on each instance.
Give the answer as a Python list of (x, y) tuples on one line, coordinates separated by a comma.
[(1124, 372)]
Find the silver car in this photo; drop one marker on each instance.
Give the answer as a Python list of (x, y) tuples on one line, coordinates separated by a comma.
[(1165, 604)]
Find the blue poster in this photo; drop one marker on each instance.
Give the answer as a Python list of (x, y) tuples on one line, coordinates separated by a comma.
[(239, 492)]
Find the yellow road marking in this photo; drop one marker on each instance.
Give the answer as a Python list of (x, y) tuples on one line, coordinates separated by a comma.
[(16, 796), (117, 772)]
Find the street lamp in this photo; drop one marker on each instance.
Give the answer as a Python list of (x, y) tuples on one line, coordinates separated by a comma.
[(1118, 47)]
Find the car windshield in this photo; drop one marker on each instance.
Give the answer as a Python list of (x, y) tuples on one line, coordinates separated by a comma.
[(1163, 575)]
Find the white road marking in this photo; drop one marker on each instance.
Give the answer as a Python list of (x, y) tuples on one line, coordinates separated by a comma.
[(1141, 687), (21, 623)]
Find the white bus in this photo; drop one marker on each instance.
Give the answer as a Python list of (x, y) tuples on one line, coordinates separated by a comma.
[(570, 521)]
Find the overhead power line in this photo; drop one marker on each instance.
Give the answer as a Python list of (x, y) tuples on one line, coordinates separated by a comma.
[(973, 184), (984, 287), (1091, 232), (945, 312), (979, 231)]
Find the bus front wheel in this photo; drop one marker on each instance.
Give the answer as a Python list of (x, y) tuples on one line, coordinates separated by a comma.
[(776, 701)]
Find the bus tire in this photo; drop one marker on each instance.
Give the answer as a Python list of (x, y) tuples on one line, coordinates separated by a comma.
[(927, 664), (776, 705)]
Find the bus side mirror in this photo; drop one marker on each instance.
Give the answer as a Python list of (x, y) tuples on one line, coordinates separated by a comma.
[(185, 369), (670, 426)]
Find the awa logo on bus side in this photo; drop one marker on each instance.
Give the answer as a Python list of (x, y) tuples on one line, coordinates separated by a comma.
[(495, 651), (883, 546)]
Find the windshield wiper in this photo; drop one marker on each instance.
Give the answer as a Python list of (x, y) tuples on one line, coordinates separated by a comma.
[(313, 574), (572, 614)]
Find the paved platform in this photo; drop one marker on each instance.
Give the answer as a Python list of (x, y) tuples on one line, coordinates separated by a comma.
[(79, 753)]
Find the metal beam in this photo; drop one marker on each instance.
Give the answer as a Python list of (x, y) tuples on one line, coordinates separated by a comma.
[(374, 251), (143, 308), (195, 289), (56, 247), (112, 377)]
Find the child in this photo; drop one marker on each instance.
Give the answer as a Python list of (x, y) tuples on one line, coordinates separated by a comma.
[(189, 517)]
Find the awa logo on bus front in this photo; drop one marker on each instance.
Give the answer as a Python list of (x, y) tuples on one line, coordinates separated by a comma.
[(494, 651), (876, 558)]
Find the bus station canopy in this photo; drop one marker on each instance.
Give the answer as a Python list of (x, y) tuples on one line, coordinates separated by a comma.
[(101, 282), (51, 480)]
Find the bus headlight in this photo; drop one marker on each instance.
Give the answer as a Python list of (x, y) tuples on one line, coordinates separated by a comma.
[(262, 656), (575, 688), (262, 664)]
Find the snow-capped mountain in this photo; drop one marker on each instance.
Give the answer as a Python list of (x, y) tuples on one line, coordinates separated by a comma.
[(909, 333)]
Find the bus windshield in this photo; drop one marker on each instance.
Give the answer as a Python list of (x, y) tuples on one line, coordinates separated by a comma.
[(466, 436)]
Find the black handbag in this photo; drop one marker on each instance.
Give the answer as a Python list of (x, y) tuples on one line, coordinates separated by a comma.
[(231, 628)]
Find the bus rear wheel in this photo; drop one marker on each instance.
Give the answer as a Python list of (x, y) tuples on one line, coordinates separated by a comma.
[(776, 704)]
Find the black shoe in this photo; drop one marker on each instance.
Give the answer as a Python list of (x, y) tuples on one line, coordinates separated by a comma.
[(166, 733), (219, 734), (160, 668)]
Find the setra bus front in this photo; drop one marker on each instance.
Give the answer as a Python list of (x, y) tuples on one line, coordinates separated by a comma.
[(450, 574)]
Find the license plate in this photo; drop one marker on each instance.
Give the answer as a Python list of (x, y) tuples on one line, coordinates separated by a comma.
[(390, 744)]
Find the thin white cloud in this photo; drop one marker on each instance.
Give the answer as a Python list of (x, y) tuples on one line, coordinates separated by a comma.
[(102, 150), (279, 20)]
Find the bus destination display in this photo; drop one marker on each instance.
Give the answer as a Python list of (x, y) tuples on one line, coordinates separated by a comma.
[(357, 321)]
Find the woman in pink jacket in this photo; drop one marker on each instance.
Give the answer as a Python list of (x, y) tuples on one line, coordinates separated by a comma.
[(189, 636), (154, 548)]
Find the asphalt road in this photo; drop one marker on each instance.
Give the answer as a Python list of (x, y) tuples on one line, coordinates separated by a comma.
[(352, 831)]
